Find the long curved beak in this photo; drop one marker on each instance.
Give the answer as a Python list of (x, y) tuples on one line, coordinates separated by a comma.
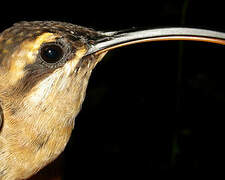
[(117, 39)]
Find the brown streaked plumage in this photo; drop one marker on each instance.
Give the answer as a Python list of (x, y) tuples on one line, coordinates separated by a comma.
[(44, 72), (40, 100)]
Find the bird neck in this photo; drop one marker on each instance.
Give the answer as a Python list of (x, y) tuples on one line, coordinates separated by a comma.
[(36, 131), (26, 150)]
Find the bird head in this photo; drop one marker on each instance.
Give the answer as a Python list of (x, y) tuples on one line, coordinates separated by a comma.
[(44, 71)]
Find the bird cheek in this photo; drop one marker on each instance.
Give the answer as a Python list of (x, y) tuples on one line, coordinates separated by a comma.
[(71, 65), (16, 69)]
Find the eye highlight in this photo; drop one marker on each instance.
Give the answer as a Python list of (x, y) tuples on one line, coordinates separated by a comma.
[(51, 52)]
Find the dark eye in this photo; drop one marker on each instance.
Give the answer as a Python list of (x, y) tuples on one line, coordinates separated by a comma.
[(51, 53)]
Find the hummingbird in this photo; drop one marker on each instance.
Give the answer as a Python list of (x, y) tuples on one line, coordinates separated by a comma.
[(45, 67)]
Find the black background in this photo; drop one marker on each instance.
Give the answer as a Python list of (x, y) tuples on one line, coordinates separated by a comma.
[(161, 104)]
